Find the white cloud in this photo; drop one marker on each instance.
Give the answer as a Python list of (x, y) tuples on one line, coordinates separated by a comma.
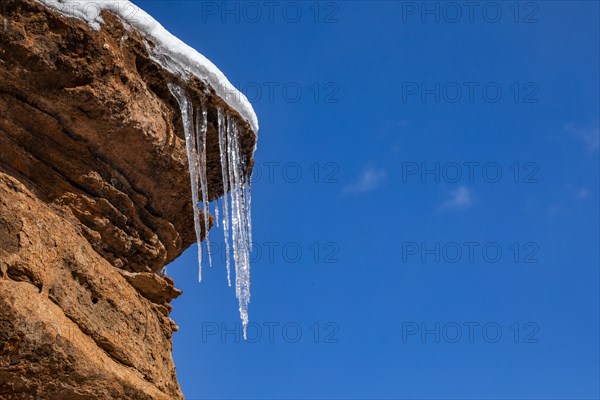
[(590, 137), (369, 179), (460, 198)]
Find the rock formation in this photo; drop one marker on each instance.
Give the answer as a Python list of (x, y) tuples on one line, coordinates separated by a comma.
[(94, 200)]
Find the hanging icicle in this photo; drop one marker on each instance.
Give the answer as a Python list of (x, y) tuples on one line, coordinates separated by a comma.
[(217, 213), (201, 132), (224, 153), (192, 156), (248, 202), (241, 248), (237, 220)]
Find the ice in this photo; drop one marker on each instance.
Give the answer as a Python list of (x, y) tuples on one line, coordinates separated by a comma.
[(201, 131), (233, 169), (248, 202), (239, 234), (236, 220), (223, 149), (168, 50), (192, 156), (217, 214)]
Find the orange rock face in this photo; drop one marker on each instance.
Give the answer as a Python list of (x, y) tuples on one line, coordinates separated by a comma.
[(94, 199)]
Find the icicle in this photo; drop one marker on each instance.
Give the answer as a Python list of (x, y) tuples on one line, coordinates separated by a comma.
[(238, 223), (186, 117), (201, 131), (217, 213), (248, 213), (236, 182), (224, 153)]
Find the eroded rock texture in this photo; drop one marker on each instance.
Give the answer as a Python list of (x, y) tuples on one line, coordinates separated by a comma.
[(94, 199)]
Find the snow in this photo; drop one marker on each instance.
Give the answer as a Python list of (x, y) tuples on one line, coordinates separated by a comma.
[(169, 51)]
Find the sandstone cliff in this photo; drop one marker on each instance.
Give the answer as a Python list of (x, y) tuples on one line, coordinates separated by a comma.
[(94, 199)]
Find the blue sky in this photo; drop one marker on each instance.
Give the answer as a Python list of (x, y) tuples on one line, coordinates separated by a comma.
[(425, 202)]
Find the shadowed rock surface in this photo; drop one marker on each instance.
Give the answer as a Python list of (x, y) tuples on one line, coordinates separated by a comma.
[(94, 199)]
